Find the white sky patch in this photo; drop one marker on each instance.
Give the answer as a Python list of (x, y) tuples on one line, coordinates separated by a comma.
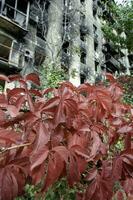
[(122, 1)]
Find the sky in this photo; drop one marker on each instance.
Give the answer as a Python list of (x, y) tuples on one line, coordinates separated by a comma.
[(121, 1)]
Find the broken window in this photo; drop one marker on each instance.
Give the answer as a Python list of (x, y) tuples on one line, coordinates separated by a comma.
[(83, 57), (82, 1), (65, 46), (9, 50), (9, 9), (15, 54), (82, 36), (5, 47), (94, 28), (39, 58), (82, 78), (82, 17), (22, 6), (95, 45), (47, 4), (15, 10), (20, 16), (96, 66)]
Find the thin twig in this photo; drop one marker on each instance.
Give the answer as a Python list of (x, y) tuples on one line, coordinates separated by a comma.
[(3, 150)]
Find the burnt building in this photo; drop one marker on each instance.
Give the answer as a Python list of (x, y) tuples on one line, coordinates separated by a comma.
[(65, 32), (18, 43)]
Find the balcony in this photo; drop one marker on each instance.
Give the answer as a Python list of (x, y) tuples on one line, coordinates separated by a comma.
[(112, 63), (14, 16), (109, 45), (122, 64)]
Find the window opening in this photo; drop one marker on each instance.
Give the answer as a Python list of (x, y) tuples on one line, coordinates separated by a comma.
[(82, 1), (47, 4), (15, 10), (82, 36), (95, 46), (94, 29), (22, 6), (82, 78), (83, 57), (65, 46), (5, 47)]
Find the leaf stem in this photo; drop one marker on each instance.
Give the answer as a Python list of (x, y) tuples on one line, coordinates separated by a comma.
[(3, 150)]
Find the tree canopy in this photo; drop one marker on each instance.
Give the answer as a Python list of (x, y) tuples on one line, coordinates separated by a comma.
[(123, 22)]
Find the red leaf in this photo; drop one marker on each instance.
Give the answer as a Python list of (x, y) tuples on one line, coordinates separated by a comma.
[(96, 144), (13, 111), (67, 107), (9, 136), (30, 102), (128, 141), (128, 186), (35, 92), (110, 77), (54, 171), (120, 195), (73, 172), (38, 173), (3, 101), (63, 152), (15, 77), (34, 78), (92, 174), (77, 140), (125, 129), (38, 157), (8, 185), (123, 165), (15, 92), (10, 182), (43, 136), (19, 102), (46, 91), (100, 188), (2, 115), (4, 78)]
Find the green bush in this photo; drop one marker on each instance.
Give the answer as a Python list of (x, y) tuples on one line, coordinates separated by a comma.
[(126, 82)]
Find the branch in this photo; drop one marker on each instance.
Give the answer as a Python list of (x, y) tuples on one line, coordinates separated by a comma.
[(3, 149)]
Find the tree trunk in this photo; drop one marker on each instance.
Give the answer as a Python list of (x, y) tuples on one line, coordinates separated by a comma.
[(54, 35), (74, 69), (90, 59)]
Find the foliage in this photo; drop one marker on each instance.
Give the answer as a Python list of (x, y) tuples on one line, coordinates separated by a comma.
[(1, 88), (73, 135), (122, 22), (60, 190), (118, 41), (126, 82), (52, 75), (29, 193)]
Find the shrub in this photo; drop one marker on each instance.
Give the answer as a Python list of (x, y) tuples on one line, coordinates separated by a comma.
[(73, 135), (127, 84)]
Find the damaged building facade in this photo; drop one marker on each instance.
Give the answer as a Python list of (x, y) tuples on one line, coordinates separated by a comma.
[(65, 32), (18, 37)]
